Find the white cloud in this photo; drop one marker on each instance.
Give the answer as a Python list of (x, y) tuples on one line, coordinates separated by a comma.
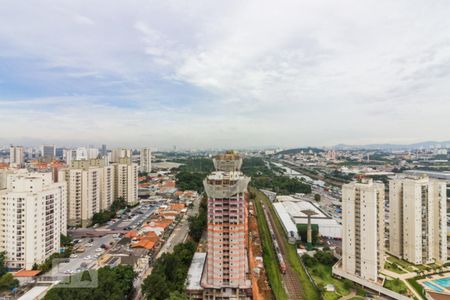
[(228, 73)]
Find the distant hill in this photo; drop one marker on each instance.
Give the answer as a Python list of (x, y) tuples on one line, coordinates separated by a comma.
[(421, 145)]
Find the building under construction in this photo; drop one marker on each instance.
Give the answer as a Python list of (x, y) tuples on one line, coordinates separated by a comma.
[(225, 274)]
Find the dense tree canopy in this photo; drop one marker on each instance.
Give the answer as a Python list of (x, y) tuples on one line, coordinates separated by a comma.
[(267, 176), (7, 280), (113, 284), (169, 273), (190, 180)]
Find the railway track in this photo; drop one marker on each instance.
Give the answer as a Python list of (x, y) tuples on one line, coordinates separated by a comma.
[(291, 280)]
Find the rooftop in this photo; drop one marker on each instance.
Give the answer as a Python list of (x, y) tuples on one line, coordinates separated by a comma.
[(27, 273), (195, 271)]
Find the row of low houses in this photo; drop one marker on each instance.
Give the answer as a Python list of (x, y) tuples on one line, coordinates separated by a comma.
[(139, 244)]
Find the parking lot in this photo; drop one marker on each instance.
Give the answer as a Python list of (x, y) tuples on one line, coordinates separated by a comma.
[(83, 260), (87, 251), (134, 218)]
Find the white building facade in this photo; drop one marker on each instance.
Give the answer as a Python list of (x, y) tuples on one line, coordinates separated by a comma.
[(418, 219), (363, 229), (33, 210)]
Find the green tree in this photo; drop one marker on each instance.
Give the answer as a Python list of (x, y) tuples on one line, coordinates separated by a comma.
[(66, 240), (8, 282), (177, 296), (317, 197), (325, 257), (113, 284), (302, 231), (3, 269), (155, 287)]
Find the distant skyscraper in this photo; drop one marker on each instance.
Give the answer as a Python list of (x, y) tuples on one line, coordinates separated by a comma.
[(34, 216), (49, 151), (363, 229), (225, 274), (418, 219), (145, 164), (16, 156), (104, 150)]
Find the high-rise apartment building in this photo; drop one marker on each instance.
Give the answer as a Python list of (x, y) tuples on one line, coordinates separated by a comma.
[(49, 152), (118, 153), (90, 189), (126, 180), (225, 275), (145, 163), (363, 228), (418, 219), (16, 156), (33, 216)]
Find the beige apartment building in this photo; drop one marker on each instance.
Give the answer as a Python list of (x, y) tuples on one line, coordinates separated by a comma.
[(33, 216), (417, 219), (126, 180), (363, 229), (145, 162), (90, 187)]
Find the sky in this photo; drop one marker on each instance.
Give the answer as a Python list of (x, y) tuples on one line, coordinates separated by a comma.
[(224, 74)]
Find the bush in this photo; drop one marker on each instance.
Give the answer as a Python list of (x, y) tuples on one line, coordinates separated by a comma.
[(348, 284), (309, 261), (8, 282), (325, 257)]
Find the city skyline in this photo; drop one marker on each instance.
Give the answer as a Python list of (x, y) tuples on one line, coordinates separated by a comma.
[(172, 73)]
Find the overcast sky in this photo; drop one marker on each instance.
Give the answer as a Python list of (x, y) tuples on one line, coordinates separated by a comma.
[(224, 73)]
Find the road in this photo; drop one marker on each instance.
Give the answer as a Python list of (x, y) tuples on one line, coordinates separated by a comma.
[(178, 235)]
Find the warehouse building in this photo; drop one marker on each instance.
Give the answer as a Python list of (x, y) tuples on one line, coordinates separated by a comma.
[(289, 210)]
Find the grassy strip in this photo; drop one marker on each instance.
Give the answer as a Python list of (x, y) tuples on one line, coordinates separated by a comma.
[(322, 276), (406, 265), (310, 292), (393, 267), (419, 288), (396, 285), (269, 256)]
